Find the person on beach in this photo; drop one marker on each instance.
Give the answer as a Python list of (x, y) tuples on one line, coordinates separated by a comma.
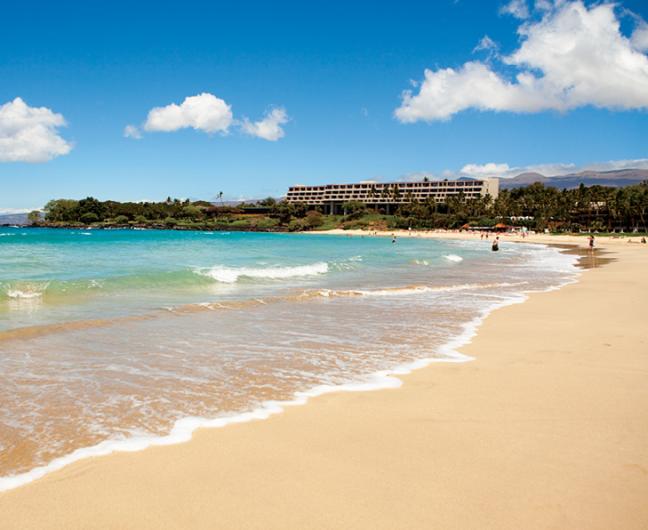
[(591, 243), (495, 246)]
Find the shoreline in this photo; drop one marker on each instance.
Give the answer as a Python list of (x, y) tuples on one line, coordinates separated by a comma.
[(184, 428), (46, 489)]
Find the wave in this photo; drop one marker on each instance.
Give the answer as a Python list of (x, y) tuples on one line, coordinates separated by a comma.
[(454, 258), (234, 274), (183, 429), (23, 290), (17, 293), (415, 289)]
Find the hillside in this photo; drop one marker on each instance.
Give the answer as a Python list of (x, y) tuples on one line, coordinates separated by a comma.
[(618, 178), (14, 219)]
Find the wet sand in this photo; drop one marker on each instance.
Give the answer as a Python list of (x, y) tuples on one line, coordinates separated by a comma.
[(546, 428)]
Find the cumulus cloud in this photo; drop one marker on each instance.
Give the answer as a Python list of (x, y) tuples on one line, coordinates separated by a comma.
[(639, 38), (269, 128), (543, 5), (204, 112), (131, 131), (516, 8), (571, 57), (30, 134), (485, 170), (208, 113)]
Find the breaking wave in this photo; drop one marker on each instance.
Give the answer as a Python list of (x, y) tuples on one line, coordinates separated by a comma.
[(234, 274), (453, 257)]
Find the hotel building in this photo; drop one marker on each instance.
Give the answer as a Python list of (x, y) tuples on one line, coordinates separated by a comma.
[(390, 194)]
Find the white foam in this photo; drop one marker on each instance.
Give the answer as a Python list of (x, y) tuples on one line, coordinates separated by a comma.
[(183, 429), (233, 274), (24, 295), (418, 289), (454, 258)]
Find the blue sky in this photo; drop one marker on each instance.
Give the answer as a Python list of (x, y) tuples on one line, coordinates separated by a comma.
[(338, 69)]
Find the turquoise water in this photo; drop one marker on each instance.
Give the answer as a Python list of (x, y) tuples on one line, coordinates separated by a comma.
[(116, 339), (80, 274)]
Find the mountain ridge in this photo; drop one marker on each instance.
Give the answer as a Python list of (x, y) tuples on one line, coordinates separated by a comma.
[(615, 178)]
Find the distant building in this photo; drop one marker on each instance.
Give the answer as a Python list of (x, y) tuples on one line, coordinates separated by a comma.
[(390, 194)]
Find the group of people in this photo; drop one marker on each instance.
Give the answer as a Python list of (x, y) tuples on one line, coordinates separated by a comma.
[(494, 245)]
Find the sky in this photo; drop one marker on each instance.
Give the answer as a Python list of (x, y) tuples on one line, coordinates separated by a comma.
[(140, 101)]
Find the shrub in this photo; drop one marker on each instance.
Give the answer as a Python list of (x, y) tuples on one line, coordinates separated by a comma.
[(89, 218), (296, 225), (354, 209), (313, 219)]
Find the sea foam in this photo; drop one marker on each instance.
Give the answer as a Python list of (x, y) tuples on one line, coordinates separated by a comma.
[(233, 274), (184, 428), (453, 257)]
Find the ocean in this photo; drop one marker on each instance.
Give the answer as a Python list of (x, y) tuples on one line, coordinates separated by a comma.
[(121, 339)]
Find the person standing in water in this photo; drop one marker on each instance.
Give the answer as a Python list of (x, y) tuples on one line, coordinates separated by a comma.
[(591, 243), (495, 246)]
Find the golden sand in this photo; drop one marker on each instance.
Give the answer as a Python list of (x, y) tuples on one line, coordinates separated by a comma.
[(546, 428)]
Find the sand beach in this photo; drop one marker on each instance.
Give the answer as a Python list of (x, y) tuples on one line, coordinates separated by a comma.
[(545, 428)]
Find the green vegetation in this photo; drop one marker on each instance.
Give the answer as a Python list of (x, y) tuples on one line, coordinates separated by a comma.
[(594, 208)]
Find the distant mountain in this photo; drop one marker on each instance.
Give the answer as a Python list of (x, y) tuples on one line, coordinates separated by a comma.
[(617, 178), (14, 219)]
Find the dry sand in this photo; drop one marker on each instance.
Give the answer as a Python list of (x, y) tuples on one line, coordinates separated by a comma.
[(546, 428)]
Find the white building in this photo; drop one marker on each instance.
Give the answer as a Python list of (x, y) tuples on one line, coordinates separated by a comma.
[(386, 194)]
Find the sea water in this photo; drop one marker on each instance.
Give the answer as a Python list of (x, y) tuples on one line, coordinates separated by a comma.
[(119, 339)]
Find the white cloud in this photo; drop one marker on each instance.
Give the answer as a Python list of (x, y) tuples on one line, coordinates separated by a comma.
[(486, 43), (30, 134), (572, 57), (14, 211), (516, 8), (503, 170), (485, 170), (639, 38), (640, 163), (543, 5), (131, 131), (269, 128), (204, 112)]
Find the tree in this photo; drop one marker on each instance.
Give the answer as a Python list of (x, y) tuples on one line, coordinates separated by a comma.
[(191, 212), (313, 219), (354, 209), (61, 210), (282, 210), (89, 218), (90, 205), (34, 217), (268, 202)]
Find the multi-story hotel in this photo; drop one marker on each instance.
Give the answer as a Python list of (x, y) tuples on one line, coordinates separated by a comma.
[(376, 194)]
